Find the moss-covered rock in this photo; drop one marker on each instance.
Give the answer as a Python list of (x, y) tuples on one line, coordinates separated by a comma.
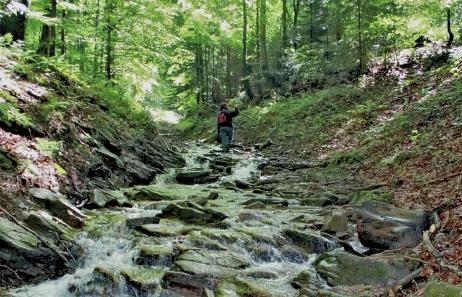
[(357, 198), (343, 269)]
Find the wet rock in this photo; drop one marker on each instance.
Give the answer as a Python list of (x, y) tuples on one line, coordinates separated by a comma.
[(220, 258), (293, 255), (142, 279), (385, 235), (264, 145), (195, 177), (201, 241), (302, 280), (249, 216), (242, 184), (139, 173), (163, 230), (310, 241), (47, 225), (188, 285), (156, 255), (150, 193), (260, 273), (192, 213), (256, 205), (343, 269), (213, 195), (58, 205), (337, 223), (24, 253), (205, 270), (135, 222), (437, 289), (224, 161), (288, 165), (107, 198), (267, 201), (384, 226)]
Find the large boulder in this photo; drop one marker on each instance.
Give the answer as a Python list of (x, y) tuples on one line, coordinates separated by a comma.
[(23, 253), (192, 213), (58, 205), (156, 255), (195, 177), (310, 241), (383, 226), (343, 269), (107, 198), (184, 284), (47, 225)]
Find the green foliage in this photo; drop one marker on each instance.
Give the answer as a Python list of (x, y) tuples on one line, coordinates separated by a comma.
[(10, 114), (49, 146)]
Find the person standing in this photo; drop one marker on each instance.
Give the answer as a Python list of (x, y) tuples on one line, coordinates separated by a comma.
[(225, 126)]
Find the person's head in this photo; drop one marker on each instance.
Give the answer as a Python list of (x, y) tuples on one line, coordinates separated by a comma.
[(224, 106)]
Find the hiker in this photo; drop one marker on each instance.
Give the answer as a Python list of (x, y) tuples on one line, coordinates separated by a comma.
[(225, 126)]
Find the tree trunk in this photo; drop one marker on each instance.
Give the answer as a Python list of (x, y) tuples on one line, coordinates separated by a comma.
[(96, 41), (285, 39), (47, 44), (15, 24), (296, 5), (264, 52), (228, 71), (63, 35), (257, 30), (108, 10), (450, 34), (245, 66), (360, 39)]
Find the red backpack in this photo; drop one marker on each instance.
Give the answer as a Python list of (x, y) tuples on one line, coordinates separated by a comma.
[(222, 119)]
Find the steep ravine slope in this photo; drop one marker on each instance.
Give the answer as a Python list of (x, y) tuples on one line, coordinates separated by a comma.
[(59, 144)]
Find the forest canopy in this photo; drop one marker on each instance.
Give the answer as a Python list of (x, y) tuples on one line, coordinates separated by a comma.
[(190, 53)]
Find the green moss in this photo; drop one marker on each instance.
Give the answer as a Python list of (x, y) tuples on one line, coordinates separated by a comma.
[(437, 289), (10, 114), (358, 198), (49, 146)]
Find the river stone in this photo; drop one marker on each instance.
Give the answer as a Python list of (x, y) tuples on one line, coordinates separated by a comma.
[(201, 241), (267, 201), (192, 213), (58, 205), (242, 184), (195, 177), (342, 269), (107, 198), (310, 241), (249, 216), (220, 258), (150, 193), (384, 226), (385, 235), (135, 222), (156, 255), (205, 270), (162, 230), (47, 225), (23, 252), (187, 285), (437, 289), (256, 205), (143, 279), (337, 223), (302, 280)]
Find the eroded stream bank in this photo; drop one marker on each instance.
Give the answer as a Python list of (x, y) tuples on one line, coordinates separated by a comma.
[(242, 224)]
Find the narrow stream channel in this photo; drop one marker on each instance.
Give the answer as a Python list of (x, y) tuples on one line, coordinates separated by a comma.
[(251, 248)]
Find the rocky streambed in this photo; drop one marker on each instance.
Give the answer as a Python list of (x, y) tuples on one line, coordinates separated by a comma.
[(241, 224)]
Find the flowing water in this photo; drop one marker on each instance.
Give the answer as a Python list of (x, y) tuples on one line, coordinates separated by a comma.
[(110, 247)]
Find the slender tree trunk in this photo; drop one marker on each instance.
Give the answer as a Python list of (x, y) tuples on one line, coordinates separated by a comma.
[(96, 41), (296, 4), (109, 58), (450, 34), (285, 40), (63, 35), (245, 66), (47, 44), (263, 20), (360, 39), (228, 71), (311, 21), (257, 29)]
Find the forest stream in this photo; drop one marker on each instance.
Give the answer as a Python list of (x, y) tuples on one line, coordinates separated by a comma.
[(222, 233)]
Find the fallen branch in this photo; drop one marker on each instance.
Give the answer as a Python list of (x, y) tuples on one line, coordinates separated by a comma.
[(437, 255), (444, 178), (398, 284), (43, 240)]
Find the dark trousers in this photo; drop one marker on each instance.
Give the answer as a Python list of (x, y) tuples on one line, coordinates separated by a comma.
[(226, 136)]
